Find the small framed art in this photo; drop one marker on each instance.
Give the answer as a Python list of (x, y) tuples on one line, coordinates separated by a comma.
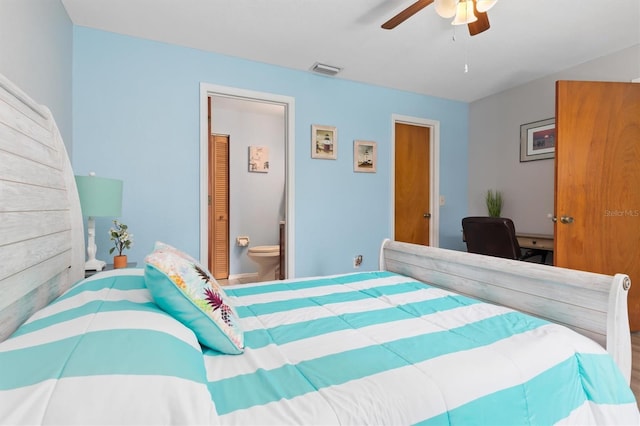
[(324, 142), (538, 140), (259, 159), (365, 156)]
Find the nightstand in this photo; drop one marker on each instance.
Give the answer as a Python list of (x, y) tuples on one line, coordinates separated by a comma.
[(109, 267)]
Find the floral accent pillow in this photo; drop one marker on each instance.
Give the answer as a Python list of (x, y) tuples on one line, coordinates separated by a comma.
[(160, 246), (188, 292)]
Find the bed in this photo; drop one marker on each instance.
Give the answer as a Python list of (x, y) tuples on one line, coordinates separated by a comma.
[(433, 337)]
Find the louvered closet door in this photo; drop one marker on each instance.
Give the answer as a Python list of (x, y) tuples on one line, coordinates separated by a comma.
[(219, 198)]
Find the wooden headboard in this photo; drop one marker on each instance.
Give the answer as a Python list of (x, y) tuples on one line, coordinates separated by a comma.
[(41, 226)]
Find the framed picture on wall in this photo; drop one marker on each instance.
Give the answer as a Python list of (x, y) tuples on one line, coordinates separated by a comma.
[(324, 142), (538, 140), (365, 156), (259, 159)]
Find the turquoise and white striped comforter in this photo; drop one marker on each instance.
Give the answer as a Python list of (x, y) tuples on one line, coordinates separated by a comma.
[(370, 348), (379, 348), (103, 353)]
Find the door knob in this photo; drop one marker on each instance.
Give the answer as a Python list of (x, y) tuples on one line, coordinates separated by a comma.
[(566, 219), (426, 215)]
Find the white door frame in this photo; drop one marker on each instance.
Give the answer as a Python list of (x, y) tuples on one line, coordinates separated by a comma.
[(434, 170), (207, 90)]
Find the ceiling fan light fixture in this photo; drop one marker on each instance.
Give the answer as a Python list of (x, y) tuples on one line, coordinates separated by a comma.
[(464, 13), (446, 8), (484, 5)]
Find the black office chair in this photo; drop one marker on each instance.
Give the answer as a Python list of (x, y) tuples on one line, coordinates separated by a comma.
[(493, 236)]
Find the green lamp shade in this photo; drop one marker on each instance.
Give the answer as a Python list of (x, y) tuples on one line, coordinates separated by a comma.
[(99, 196)]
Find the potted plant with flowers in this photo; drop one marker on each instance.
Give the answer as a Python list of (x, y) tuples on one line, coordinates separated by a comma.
[(122, 240)]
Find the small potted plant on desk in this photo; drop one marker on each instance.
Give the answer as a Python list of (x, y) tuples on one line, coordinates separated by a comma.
[(122, 239), (494, 203)]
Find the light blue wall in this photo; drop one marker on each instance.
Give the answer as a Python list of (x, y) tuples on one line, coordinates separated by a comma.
[(136, 118)]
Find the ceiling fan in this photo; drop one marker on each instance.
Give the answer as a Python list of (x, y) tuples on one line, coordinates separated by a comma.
[(470, 12)]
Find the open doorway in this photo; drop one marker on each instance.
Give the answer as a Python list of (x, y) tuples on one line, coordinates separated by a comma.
[(266, 100)]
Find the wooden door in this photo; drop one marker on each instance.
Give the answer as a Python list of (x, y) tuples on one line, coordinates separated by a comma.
[(412, 184), (597, 185), (219, 206)]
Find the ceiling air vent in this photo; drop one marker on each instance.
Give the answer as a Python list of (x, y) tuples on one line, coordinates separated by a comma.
[(325, 69)]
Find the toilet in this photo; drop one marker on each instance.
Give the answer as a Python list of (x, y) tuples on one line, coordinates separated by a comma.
[(268, 260)]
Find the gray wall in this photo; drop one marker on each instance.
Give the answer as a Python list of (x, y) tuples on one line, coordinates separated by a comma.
[(494, 141), (36, 38)]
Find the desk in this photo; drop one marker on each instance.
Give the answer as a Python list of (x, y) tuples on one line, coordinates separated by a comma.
[(540, 243)]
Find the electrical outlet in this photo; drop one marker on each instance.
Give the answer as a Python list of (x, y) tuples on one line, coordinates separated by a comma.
[(357, 261)]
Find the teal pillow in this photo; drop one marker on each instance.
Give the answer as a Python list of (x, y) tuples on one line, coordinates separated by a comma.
[(187, 291)]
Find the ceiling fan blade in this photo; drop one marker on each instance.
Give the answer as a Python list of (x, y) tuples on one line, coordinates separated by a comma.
[(482, 24), (406, 14)]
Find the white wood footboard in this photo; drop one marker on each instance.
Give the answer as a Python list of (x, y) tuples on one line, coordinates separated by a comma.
[(594, 305)]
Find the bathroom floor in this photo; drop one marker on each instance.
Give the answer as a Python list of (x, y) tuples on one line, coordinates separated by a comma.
[(236, 281)]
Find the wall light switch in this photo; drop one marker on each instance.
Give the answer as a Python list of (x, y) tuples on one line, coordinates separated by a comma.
[(442, 200)]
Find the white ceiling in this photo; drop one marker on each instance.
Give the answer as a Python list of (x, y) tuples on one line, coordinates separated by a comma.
[(528, 39)]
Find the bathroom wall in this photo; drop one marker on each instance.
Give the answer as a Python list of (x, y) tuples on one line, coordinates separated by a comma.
[(257, 200)]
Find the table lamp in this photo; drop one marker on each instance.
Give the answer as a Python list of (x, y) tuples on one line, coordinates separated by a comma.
[(99, 197)]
